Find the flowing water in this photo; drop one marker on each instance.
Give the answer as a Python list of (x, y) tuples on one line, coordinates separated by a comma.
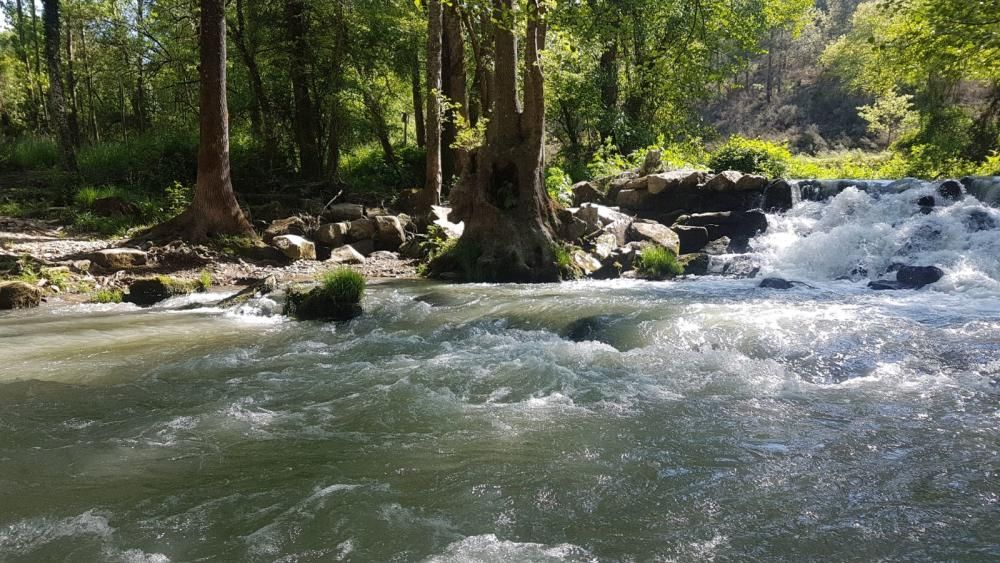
[(590, 421)]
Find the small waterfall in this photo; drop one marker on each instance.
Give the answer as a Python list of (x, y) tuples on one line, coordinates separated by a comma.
[(865, 230)]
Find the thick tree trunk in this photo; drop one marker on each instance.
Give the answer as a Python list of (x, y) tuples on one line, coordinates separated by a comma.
[(57, 101), (214, 209), (431, 193), (418, 99), (310, 164), (509, 218)]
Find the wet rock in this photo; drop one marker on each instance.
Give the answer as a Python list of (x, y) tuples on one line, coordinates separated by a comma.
[(926, 204), (344, 212), (315, 304), (886, 285), (119, 258), (733, 224), (150, 291), (656, 233), (718, 246), (696, 264), (951, 189), (255, 290), (332, 234), (692, 239), (19, 295), (287, 226), (779, 195), (919, 276), (776, 283), (979, 220), (586, 192), (295, 247), (389, 233), (723, 181), (346, 255)]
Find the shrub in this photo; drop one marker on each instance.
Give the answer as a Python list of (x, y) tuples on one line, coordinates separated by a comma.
[(366, 171), (343, 285), (205, 280), (150, 161), (107, 296), (34, 153), (751, 156), (657, 262), (559, 186)]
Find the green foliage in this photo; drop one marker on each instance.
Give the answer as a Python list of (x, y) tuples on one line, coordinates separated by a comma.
[(344, 285), (559, 186), (657, 262), (564, 259), (891, 115), (107, 296), (751, 156), (87, 195), (89, 222), (205, 280), (149, 162), (234, 245), (34, 153), (366, 171), (178, 198)]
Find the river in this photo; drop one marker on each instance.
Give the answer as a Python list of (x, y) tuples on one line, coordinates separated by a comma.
[(589, 421)]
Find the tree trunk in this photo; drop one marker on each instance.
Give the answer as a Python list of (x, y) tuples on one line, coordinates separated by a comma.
[(260, 112), (608, 73), (431, 193), (139, 100), (38, 64), (214, 209), (57, 102), (509, 218), (74, 106), (418, 99), (453, 83), (377, 114), (310, 164), (22, 53), (95, 131)]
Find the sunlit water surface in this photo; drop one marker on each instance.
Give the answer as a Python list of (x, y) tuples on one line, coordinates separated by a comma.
[(610, 421)]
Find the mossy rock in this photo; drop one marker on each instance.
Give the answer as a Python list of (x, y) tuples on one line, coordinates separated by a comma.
[(150, 291), (19, 295), (315, 304)]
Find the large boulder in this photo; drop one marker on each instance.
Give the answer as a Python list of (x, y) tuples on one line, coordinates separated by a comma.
[(150, 291), (733, 224), (605, 245), (389, 233), (640, 183), (19, 295), (346, 255), (683, 178), (951, 189), (779, 195), (344, 212), (119, 258), (332, 234), (362, 229), (585, 262), (295, 247), (693, 239), (751, 183), (316, 304), (919, 276), (655, 233), (632, 198), (287, 226), (600, 217), (586, 192), (695, 264), (723, 182)]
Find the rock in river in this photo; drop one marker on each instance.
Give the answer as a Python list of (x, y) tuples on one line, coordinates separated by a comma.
[(19, 295)]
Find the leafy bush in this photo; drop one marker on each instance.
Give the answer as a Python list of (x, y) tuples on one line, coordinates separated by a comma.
[(34, 153), (559, 185), (657, 262), (365, 170), (343, 285), (178, 197), (751, 156)]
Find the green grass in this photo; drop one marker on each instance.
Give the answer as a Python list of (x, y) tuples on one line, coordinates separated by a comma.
[(344, 285), (564, 259), (107, 296), (34, 153), (657, 262), (205, 280), (87, 195)]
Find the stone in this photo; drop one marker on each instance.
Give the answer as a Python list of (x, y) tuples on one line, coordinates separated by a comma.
[(362, 229), (19, 295), (317, 305), (951, 189), (389, 233), (295, 247), (779, 195), (883, 285), (683, 178), (751, 183), (607, 219), (119, 258), (586, 192), (919, 276), (150, 291), (718, 246), (344, 212), (632, 199), (695, 264), (255, 290), (979, 220), (693, 239), (652, 163), (412, 249), (383, 255), (926, 201), (655, 233), (604, 245), (723, 182), (287, 226), (365, 247), (585, 262), (346, 255), (640, 183), (332, 234), (776, 283), (733, 224)]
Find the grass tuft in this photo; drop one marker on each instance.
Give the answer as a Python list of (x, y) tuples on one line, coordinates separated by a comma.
[(657, 262), (344, 285)]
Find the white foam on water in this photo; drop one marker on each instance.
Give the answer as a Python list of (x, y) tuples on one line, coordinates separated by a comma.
[(25, 536), (488, 548)]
